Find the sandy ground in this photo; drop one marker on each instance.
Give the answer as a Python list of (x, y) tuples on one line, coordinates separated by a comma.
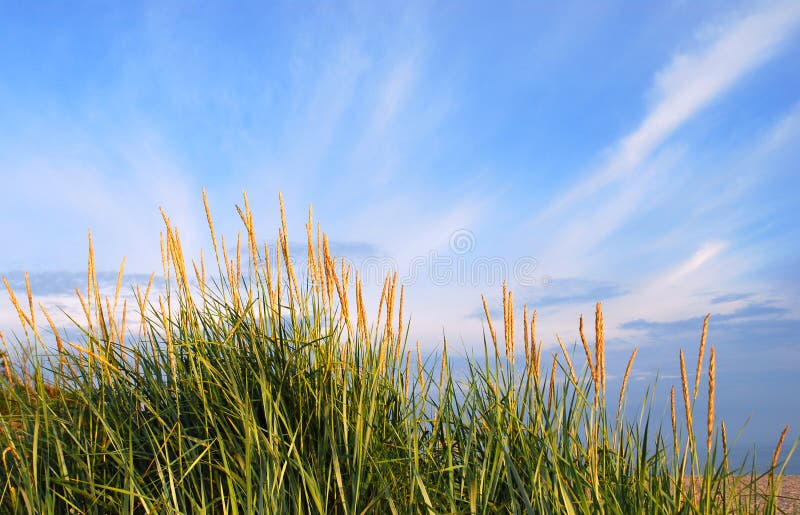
[(789, 496)]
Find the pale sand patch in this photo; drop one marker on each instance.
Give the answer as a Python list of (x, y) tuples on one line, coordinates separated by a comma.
[(788, 500)]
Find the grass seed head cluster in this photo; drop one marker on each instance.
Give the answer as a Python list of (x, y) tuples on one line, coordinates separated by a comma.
[(245, 386)]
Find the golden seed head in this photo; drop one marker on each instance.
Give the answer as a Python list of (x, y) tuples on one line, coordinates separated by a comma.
[(711, 380), (489, 321), (777, 452), (510, 325), (700, 356), (672, 410), (420, 375), (568, 360), (625, 381), (551, 391), (210, 224), (505, 315), (686, 400)]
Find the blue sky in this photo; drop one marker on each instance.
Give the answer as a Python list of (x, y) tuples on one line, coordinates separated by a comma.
[(644, 154)]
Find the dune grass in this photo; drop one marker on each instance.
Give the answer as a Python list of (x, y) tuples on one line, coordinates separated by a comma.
[(244, 388)]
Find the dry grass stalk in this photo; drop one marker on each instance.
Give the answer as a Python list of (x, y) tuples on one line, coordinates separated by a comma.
[(225, 259), (588, 352), (106, 366), (625, 381), (251, 236), (686, 399), (30, 301), (59, 342), (202, 275), (700, 355), (408, 371), (142, 302), (360, 314), (283, 238), (777, 454), (122, 324), (210, 224), (689, 426), (390, 296), (364, 328), (600, 360), (384, 291), (442, 371), (180, 266), (330, 266), (505, 316), (268, 274), (711, 381), (175, 254), (283, 231), (112, 325), (510, 349), (9, 375), (230, 272), (568, 360), (345, 297), (23, 318), (164, 262), (90, 266), (420, 375), (142, 313), (673, 417), (724, 446), (199, 278), (771, 486), (388, 338), (168, 334), (13, 450), (7, 368), (491, 327), (312, 268), (203, 272), (119, 284), (525, 338), (238, 259), (292, 286), (86, 312), (535, 356), (319, 251), (551, 390), (341, 290), (345, 275), (400, 323), (327, 262)]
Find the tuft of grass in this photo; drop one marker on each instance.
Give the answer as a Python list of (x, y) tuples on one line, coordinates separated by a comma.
[(243, 389)]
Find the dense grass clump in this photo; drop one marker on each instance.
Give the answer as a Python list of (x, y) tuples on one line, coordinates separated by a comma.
[(248, 390)]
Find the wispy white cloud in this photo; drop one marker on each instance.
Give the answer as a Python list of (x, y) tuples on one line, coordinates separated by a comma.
[(578, 237), (688, 84), (74, 192), (355, 123), (378, 152), (633, 221), (54, 293), (703, 255), (395, 91), (786, 130)]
